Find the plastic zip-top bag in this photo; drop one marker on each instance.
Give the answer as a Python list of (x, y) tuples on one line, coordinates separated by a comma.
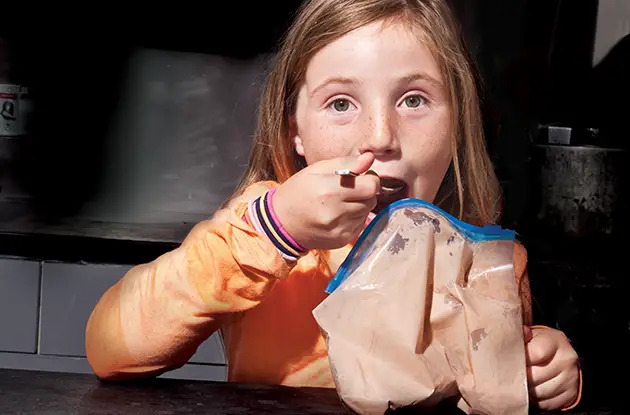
[(426, 308)]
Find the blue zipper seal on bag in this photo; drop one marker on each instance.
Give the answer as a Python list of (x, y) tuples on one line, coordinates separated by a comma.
[(473, 233)]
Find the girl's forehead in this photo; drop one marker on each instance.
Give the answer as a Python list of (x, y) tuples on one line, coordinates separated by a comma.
[(375, 50)]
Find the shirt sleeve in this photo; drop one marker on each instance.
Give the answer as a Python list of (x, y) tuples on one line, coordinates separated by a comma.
[(522, 282), (156, 316)]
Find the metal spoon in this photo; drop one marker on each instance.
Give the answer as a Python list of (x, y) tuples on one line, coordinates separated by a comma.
[(350, 173)]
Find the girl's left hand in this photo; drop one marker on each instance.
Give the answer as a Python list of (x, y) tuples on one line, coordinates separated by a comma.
[(552, 368)]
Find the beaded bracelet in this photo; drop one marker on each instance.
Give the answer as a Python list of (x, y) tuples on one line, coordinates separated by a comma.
[(264, 219)]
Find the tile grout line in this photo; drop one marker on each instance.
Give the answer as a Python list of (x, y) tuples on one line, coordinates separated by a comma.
[(39, 314)]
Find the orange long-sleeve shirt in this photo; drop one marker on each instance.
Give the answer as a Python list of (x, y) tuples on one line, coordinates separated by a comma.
[(225, 276)]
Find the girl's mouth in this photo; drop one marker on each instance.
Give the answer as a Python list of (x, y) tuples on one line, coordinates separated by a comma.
[(392, 190)]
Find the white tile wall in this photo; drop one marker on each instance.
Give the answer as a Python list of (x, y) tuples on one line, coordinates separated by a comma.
[(43, 311)]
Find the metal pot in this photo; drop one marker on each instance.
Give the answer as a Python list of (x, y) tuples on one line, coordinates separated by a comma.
[(582, 190)]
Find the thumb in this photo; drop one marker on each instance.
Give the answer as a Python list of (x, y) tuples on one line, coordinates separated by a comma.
[(362, 163), (527, 334)]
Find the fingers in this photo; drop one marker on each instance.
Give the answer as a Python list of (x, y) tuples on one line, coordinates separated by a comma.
[(549, 388), (540, 349), (360, 209), (527, 334), (555, 393), (354, 166), (362, 163), (552, 371), (354, 175), (557, 402), (537, 375), (364, 188)]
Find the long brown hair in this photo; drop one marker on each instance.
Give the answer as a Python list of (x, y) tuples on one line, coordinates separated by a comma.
[(470, 189)]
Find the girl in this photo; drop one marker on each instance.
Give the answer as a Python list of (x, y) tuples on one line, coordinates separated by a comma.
[(358, 85)]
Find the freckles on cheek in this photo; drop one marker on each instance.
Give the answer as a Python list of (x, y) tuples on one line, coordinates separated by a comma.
[(324, 137), (432, 152)]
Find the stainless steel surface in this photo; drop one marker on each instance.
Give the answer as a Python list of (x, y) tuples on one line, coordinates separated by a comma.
[(172, 151), (559, 135), (582, 189)]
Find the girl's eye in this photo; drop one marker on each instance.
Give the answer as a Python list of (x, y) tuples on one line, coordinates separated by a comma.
[(414, 101), (341, 105)]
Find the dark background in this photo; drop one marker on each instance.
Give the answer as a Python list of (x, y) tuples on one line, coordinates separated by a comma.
[(91, 144)]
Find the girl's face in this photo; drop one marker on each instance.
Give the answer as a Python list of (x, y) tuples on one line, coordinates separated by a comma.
[(378, 89)]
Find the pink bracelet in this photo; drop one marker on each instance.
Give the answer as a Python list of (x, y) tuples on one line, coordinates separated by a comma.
[(277, 222)]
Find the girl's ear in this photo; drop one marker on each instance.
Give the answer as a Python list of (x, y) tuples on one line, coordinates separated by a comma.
[(295, 137)]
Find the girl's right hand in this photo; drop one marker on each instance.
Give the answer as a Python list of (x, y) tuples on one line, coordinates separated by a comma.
[(322, 210)]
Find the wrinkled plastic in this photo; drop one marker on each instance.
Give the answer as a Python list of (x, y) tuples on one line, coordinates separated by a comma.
[(426, 308)]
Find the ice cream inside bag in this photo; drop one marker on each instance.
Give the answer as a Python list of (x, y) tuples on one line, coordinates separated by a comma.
[(424, 308)]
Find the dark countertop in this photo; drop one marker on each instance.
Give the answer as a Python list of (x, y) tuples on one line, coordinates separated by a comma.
[(77, 248), (42, 393), (26, 234), (19, 216), (31, 392)]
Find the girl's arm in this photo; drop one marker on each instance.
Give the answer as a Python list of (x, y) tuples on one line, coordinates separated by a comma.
[(155, 317)]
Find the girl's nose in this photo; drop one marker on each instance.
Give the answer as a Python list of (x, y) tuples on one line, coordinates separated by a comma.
[(380, 135)]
